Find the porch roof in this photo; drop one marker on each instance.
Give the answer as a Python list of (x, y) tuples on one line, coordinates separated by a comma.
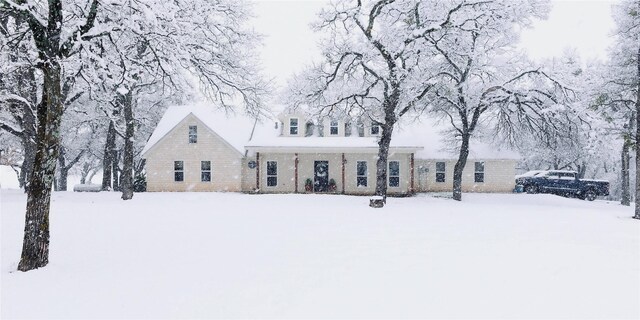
[(263, 143)]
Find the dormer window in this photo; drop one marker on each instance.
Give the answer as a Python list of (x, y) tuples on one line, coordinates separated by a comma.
[(333, 127), (293, 126), (375, 129), (193, 134)]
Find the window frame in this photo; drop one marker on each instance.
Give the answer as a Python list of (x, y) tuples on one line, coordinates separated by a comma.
[(334, 124), (292, 127), (204, 172), (178, 170), (193, 134), (441, 173), (565, 175), (271, 176), (553, 175), (377, 129), (362, 177), (390, 177), (478, 173)]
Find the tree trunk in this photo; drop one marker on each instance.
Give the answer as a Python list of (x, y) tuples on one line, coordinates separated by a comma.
[(107, 163), (27, 89), (23, 83), (63, 181), (30, 122), (582, 170), (35, 247), (637, 210), (91, 174), (29, 144), (459, 167), (626, 194), (139, 168), (127, 159), (84, 173), (381, 164), (64, 167), (115, 170), (63, 173)]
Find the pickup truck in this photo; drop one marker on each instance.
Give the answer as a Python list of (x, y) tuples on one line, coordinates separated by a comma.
[(565, 183)]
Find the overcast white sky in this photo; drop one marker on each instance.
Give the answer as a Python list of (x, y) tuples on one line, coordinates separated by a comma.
[(290, 44)]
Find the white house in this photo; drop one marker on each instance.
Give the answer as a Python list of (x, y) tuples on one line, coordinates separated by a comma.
[(195, 148)]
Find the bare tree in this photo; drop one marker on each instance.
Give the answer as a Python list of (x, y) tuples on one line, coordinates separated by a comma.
[(482, 85), (46, 32), (216, 48), (18, 92), (64, 165), (377, 62), (618, 97)]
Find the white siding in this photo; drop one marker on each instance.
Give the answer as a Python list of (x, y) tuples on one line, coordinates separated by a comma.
[(286, 172), (371, 158), (225, 161), (286, 167), (248, 176), (498, 176)]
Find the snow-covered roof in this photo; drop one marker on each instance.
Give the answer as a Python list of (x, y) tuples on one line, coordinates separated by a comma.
[(235, 129), (321, 142), (430, 134), (424, 136), (530, 173)]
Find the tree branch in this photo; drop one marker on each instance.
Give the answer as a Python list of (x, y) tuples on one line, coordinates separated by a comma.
[(66, 47)]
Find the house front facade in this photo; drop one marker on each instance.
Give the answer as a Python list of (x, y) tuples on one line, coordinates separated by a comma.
[(479, 175), (325, 156), (185, 154), (326, 170), (197, 149)]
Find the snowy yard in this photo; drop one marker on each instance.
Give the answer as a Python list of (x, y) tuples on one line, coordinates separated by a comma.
[(212, 255)]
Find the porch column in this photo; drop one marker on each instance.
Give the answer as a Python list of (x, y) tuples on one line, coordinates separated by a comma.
[(257, 170), (296, 173), (411, 188), (344, 160)]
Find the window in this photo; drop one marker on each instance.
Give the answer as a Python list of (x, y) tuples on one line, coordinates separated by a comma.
[(293, 126), (440, 171), (479, 173), (567, 176), (394, 173), (333, 127), (553, 175), (361, 173), (193, 134), (178, 171), (205, 171), (272, 173), (375, 129)]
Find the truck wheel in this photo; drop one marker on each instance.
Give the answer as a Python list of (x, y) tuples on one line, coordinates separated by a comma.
[(590, 195), (531, 189)]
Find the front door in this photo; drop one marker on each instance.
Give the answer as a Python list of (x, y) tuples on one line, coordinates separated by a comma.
[(321, 176)]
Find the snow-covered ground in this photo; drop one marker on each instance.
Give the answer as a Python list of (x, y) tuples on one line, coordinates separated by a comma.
[(215, 255), (8, 178)]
